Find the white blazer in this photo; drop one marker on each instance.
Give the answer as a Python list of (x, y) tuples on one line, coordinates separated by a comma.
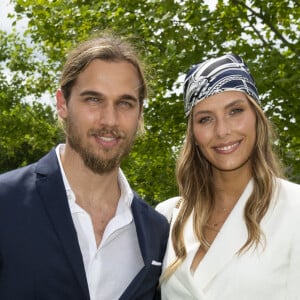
[(272, 273)]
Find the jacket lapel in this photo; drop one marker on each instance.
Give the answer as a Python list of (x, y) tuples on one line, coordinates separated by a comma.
[(52, 191), (225, 246), (145, 246), (227, 243), (150, 247), (190, 239)]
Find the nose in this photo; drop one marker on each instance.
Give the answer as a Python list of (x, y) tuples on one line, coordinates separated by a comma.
[(222, 128), (108, 115)]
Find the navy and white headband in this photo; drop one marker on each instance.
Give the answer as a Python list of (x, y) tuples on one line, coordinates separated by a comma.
[(225, 73)]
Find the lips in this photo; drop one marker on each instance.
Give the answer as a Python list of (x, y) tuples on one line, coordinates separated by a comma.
[(106, 138), (107, 141), (227, 148)]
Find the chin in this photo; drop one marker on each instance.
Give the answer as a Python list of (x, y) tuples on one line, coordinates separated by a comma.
[(244, 165)]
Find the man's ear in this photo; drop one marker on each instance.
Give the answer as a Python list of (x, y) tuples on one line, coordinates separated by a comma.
[(61, 104), (141, 125)]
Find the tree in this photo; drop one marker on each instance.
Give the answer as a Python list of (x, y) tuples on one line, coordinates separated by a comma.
[(171, 36), (27, 130)]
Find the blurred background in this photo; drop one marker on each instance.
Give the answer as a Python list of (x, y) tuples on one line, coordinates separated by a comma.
[(35, 36)]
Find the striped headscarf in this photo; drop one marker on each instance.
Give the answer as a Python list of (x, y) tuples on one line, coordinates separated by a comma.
[(225, 73)]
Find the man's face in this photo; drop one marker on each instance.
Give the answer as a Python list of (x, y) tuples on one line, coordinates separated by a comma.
[(103, 114)]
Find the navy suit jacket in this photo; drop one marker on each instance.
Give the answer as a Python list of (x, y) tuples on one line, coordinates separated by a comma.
[(40, 257)]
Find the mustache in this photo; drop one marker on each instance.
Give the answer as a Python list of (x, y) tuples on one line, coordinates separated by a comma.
[(114, 132)]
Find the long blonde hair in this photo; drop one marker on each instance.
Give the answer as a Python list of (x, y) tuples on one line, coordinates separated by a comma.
[(196, 187)]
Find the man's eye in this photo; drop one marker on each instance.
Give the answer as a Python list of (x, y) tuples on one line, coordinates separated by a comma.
[(92, 99), (125, 104)]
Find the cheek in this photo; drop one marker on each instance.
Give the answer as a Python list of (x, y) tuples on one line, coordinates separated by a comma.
[(79, 121), (86, 115), (249, 127), (202, 137), (130, 120)]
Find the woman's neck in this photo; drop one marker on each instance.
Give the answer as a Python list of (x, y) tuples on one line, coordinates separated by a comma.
[(229, 186)]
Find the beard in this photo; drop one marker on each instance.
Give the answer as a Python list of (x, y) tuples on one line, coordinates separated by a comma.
[(99, 163)]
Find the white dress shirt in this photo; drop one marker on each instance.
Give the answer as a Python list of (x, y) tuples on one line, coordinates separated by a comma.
[(112, 265)]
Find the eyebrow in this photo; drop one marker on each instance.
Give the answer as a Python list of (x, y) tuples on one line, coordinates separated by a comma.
[(91, 93), (102, 96), (235, 102), (231, 104)]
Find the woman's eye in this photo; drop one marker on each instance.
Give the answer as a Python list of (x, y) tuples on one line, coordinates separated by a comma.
[(204, 120), (236, 111)]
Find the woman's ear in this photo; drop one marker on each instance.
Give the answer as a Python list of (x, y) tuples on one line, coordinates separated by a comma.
[(61, 104)]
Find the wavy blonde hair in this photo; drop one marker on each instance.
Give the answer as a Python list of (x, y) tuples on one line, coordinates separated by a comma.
[(196, 187)]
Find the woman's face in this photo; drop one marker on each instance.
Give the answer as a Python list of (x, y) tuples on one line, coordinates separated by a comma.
[(224, 127)]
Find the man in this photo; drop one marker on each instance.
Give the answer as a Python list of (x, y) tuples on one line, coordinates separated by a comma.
[(70, 225)]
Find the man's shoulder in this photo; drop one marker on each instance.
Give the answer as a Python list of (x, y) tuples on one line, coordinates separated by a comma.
[(22, 174), (17, 174)]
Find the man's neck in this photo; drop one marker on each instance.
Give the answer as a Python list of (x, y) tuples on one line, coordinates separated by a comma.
[(97, 194), (96, 189)]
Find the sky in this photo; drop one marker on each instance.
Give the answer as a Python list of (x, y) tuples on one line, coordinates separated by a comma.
[(5, 25), (4, 9), (5, 22)]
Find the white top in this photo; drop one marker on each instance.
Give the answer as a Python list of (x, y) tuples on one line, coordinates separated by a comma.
[(112, 266), (260, 274)]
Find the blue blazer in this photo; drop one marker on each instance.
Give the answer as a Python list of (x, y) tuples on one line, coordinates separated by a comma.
[(40, 256)]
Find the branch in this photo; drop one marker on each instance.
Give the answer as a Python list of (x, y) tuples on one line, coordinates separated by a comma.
[(267, 22), (265, 43)]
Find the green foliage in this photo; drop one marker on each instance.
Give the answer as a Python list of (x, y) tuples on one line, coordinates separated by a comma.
[(27, 133), (171, 36), (27, 130)]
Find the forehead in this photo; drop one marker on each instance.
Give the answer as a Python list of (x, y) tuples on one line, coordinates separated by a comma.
[(221, 101), (108, 74)]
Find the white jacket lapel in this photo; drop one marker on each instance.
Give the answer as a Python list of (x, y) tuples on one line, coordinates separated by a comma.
[(190, 239), (227, 243)]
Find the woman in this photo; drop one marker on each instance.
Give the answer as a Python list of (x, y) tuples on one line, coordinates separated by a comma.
[(235, 227)]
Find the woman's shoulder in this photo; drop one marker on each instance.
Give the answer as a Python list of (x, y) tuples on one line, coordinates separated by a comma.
[(288, 186), (166, 207), (288, 191)]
